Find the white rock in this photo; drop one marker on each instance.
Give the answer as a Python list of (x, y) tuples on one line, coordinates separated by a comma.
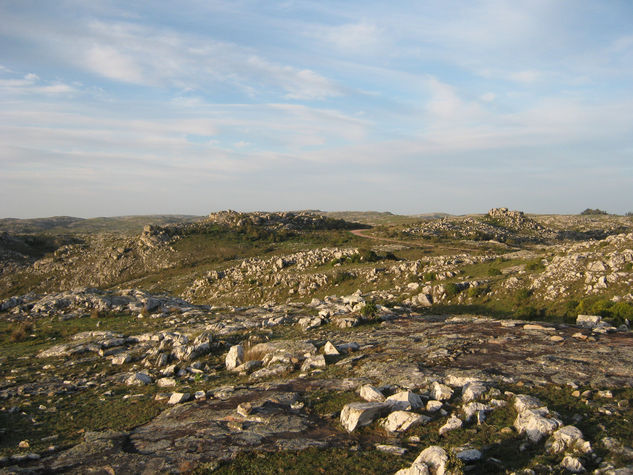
[(165, 382), (572, 464), (536, 423), (472, 390), (523, 402), (441, 392), (435, 457), (330, 350), (177, 398), (469, 455), (400, 421), (567, 437), (405, 400), (371, 394), (311, 362), (234, 357), (123, 358), (588, 321), (138, 379), (415, 469), (433, 406), (357, 414), (473, 408), (452, 423)]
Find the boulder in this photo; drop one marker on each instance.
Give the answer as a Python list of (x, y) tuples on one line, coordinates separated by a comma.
[(357, 414), (177, 398), (405, 400), (588, 321), (452, 423), (138, 379), (434, 457), (536, 423), (415, 469), (317, 361), (440, 392), (400, 421), (371, 394), (472, 390), (235, 357), (567, 437)]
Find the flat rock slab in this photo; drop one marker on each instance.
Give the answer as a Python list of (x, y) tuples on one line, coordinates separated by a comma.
[(203, 432)]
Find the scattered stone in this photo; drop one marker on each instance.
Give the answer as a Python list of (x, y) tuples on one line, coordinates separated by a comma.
[(440, 392), (468, 455), (452, 423), (435, 458), (400, 421), (567, 438), (330, 350), (536, 423), (235, 357), (433, 406), (405, 400), (138, 379), (357, 414), (472, 390), (317, 361), (371, 394), (572, 464), (178, 398), (391, 449)]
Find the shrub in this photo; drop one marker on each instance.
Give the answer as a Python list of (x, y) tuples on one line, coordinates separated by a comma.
[(523, 294), (628, 266), (451, 289), (429, 276), (493, 271), (19, 332), (527, 313), (535, 265), (369, 310), (95, 313), (589, 212), (475, 292), (341, 276)]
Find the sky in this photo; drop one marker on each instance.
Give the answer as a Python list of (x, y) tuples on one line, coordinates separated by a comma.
[(132, 107)]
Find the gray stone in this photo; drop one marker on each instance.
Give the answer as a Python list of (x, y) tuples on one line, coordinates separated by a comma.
[(400, 421), (357, 414)]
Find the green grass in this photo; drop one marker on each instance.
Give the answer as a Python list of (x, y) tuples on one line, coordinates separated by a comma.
[(312, 461)]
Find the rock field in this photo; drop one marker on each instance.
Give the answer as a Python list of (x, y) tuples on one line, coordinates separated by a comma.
[(326, 357)]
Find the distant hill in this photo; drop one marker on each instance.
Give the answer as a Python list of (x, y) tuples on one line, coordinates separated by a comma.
[(377, 218), (69, 224)]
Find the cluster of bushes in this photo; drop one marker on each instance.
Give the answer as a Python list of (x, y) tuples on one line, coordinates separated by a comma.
[(20, 331), (617, 312), (364, 255), (589, 212)]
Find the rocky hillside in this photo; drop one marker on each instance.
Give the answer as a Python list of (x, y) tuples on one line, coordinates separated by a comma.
[(270, 342)]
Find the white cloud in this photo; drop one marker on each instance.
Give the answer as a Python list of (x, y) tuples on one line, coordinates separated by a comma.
[(526, 77), (359, 38)]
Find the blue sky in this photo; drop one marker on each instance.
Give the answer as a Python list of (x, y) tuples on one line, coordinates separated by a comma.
[(134, 107)]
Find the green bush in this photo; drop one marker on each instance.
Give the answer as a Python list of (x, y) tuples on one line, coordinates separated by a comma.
[(494, 271), (341, 276), (535, 265), (369, 310), (429, 276), (523, 294), (628, 266), (616, 312), (589, 212), (475, 292), (451, 289), (528, 312)]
